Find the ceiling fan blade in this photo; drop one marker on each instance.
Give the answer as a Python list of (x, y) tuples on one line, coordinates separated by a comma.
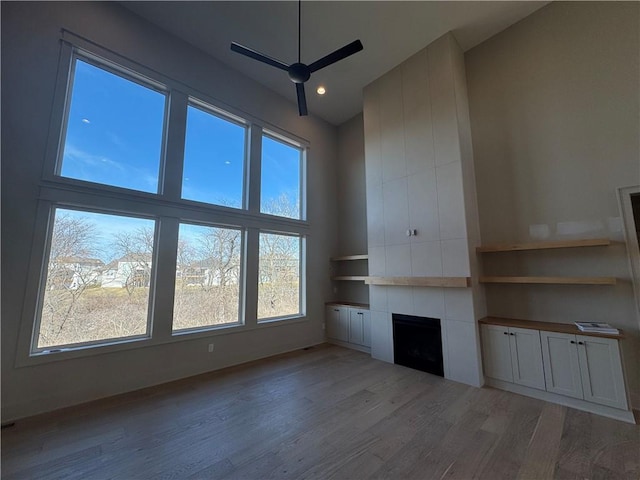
[(336, 56), (236, 47), (302, 99)]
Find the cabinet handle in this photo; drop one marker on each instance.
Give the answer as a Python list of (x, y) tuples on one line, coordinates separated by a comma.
[(512, 334), (336, 310), (506, 333), (580, 343), (573, 341)]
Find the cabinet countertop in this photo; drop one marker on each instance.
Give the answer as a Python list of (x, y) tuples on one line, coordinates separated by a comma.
[(548, 326)]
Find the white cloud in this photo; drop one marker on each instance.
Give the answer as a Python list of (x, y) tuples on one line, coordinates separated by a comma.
[(90, 159)]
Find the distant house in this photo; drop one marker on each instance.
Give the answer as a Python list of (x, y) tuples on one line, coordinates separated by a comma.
[(74, 272), (192, 275), (209, 272), (133, 270)]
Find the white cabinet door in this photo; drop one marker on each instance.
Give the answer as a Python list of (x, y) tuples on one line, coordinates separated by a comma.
[(332, 320), (561, 365), (343, 324), (337, 322), (356, 327), (526, 357), (496, 352), (601, 371), (366, 326)]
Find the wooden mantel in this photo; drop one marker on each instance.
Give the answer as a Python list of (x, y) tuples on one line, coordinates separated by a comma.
[(447, 282)]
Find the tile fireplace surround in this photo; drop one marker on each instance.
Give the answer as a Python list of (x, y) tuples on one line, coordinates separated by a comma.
[(419, 173)]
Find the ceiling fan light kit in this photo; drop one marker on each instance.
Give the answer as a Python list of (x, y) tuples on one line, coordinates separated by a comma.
[(299, 72)]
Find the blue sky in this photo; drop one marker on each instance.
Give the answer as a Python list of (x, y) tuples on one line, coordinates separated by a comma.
[(114, 136), (115, 133)]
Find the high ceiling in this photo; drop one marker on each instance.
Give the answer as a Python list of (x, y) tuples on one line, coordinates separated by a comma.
[(390, 31)]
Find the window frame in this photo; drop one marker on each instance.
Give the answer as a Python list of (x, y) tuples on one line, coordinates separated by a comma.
[(631, 238), (241, 321), (233, 119), (37, 322), (166, 207), (302, 174), (302, 300), (126, 74)]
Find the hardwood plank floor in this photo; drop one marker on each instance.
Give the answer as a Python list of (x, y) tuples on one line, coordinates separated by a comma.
[(327, 413)]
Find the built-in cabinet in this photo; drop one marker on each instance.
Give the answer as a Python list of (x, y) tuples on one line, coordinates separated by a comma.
[(560, 365), (584, 367), (349, 325), (337, 322), (514, 355)]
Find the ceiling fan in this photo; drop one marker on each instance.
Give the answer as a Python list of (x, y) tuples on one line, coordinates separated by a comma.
[(299, 72)]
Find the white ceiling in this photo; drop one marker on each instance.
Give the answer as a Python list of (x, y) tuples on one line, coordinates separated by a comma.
[(391, 31)]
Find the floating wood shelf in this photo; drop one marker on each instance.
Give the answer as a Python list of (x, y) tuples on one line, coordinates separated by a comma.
[(552, 280), (349, 304), (547, 326), (349, 257), (350, 278), (450, 282), (512, 247)]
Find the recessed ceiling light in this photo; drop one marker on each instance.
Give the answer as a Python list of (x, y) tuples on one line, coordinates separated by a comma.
[(321, 90)]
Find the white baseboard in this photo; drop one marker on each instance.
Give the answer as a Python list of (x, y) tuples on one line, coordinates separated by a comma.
[(622, 415)]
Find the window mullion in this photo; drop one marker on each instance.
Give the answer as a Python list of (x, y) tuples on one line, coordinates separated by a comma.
[(251, 277), (165, 276), (175, 127), (254, 150)]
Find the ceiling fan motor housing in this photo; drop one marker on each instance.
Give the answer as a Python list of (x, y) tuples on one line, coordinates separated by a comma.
[(299, 72)]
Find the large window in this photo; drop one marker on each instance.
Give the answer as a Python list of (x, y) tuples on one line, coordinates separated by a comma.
[(279, 276), (208, 276), (147, 226), (97, 279), (213, 159), (113, 130), (281, 178)]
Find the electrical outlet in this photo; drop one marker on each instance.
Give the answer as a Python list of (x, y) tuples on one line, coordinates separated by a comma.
[(210, 347)]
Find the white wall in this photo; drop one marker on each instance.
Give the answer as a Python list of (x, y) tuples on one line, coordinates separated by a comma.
[(419, 173), (554, 103), (30, 49), (352, 210)]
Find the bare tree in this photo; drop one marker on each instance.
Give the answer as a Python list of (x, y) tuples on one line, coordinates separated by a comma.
[(186, 256), (70, 271), (284, 205), (135, 262), (208, 288), (279, 275), (219, 253)]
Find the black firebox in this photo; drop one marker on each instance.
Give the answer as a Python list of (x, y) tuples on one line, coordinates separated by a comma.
[(417, 343)]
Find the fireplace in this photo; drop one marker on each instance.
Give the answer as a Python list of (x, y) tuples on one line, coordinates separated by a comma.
[(417, 343)]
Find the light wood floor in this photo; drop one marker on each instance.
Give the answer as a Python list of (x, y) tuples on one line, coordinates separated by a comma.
[(328, 413)]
